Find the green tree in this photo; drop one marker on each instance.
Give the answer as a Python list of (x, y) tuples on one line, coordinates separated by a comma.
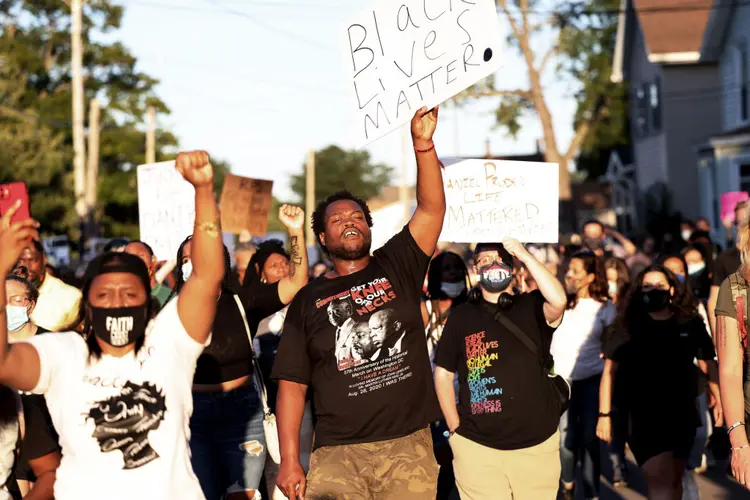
[(337, 169), (34, 36), (575, 40)]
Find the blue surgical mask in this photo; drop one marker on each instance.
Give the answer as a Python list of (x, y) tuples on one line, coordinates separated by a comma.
[(680, 278), (187, 270), (453, 290), (17, 317)]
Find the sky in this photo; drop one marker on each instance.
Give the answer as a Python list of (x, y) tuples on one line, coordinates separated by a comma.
[(260, 82)]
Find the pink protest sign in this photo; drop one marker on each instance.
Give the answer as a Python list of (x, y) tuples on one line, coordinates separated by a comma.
[(728, 202)]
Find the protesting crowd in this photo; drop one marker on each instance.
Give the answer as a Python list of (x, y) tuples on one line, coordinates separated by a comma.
[(498, 371)]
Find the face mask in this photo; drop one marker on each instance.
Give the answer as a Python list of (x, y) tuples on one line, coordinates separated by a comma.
[(612, 287), (680, 278), (696, 268), (495, 277), (187, 270), (593, 243), (686, 234), (655, 300), (453, 290), (17, 317), (119, 326)]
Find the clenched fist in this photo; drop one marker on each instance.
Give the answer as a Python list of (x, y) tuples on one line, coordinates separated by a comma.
[(516, 248), (423, 125), (195, 167), (292, 217)]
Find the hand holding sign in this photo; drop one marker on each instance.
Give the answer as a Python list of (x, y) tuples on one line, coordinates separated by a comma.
[(516, 249), (292, 217), (423, 126), (195, 167)]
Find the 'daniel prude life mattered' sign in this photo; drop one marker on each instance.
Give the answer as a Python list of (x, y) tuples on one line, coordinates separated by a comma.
[(488, 201), (405, 54)]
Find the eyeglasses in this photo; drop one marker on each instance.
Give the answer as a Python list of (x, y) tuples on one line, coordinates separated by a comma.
[(19, 300), (488, 260)]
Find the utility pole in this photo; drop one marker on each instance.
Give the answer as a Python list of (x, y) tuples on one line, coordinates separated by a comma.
[(79, 152), (151, 135), (310, 195), (404, 188), (92, 167)]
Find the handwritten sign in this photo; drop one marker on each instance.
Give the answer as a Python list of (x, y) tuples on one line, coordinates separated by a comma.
[(491, 200), (166, 208), (245, 204), (405, 54), (729, 201)]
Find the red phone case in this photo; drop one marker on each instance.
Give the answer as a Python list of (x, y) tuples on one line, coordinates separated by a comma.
[(10, 194)]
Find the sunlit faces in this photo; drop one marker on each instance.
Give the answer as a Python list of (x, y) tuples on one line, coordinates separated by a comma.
[(112, 290), (593, 231), (577, 277), (33, 260), (139, 250), (347, 235), (276, 268), (656, 281), (675, 265)]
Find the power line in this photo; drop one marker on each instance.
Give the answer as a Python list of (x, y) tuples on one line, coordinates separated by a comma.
[(269, 27)]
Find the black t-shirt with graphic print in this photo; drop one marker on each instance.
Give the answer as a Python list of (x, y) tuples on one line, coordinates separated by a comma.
[(359, 342), (506, 400)]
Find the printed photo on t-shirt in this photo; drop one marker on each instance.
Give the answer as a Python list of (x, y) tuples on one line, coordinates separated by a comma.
[(368, 335), (485, 395)]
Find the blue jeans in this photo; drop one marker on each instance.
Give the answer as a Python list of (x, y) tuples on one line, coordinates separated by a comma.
[(227, 443), (578, 436)]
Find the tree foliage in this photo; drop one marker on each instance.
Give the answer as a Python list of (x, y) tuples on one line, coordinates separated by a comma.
[(36, 112), (576, 40), (337, 169)]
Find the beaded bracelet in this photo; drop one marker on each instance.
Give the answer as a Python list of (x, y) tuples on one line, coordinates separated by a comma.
[(740, 448)]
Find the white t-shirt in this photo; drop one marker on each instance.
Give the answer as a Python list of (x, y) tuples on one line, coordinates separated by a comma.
[(577, 342), (123, 422)]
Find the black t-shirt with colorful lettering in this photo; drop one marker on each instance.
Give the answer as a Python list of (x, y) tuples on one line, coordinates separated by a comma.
[(506, 400), (359, 342)]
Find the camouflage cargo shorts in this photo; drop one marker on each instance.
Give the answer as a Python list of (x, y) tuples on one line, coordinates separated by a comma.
[(403, 468)]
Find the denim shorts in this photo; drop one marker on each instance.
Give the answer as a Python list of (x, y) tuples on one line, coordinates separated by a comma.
[(227, 443)]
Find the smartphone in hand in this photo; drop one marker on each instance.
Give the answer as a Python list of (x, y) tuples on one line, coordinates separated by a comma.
[(9, 195)]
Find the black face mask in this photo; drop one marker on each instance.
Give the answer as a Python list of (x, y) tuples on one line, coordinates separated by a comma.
[(593, 243), (495, 278), (119, 326), (655, 300)]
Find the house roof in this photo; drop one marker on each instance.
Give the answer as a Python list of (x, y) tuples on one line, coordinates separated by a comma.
[(673, 26), (673, 31)]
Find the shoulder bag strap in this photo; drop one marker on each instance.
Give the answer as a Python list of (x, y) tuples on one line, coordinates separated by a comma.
[(511, 326), (739, 298), (256, 369)]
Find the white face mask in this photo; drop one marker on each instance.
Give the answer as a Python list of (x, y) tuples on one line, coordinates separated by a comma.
[(17, 317), (686, 234), (696, 268), (612, 285), (187, 270)]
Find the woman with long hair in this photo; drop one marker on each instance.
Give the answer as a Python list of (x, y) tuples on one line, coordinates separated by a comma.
[(732, 345), (119, 396), (650, 376), (227, 442), (576, 348), (618, 279)]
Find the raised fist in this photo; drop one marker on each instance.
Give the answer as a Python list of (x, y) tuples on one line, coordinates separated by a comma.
[(195, 167), (292, 217), (423, 124)]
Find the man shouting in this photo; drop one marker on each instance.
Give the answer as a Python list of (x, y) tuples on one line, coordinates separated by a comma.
[(372, 438)]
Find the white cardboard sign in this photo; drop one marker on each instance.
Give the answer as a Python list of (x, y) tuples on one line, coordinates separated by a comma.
[(166, 208), (405, 54), (491, 200)]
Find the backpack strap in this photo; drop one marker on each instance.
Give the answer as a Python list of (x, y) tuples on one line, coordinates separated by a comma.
[(739, 298)]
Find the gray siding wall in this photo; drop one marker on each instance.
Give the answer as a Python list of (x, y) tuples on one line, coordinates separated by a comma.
[(738, 35)]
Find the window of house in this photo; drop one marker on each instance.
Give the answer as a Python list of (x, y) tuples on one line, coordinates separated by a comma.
[(642, 108), (743, 75), (654, 103), (745, 177)]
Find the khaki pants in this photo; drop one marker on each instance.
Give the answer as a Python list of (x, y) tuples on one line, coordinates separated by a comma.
[(397, 469), (486, 473)]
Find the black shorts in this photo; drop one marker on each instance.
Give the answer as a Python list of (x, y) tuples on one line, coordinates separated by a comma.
[(647, 441)]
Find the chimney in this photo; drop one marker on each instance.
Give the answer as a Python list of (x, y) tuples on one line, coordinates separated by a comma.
[(487, 149)]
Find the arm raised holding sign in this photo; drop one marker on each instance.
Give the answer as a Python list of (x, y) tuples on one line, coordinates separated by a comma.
[(427, 221)]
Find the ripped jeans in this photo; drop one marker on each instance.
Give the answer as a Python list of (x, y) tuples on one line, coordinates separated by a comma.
[(227, 443)]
